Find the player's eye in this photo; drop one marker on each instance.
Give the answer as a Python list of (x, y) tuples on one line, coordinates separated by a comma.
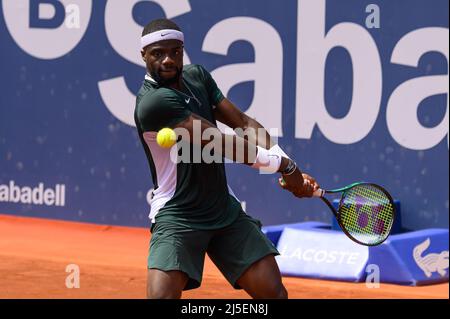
[(157, 54)]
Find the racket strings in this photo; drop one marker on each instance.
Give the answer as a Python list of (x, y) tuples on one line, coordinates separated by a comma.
[(366, 213)]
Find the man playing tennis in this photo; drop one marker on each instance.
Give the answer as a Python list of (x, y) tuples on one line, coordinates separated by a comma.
[(193, 211)]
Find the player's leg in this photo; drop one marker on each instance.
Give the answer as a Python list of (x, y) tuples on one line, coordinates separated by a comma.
[(245, 256), (175, 261), (165, 284), (263, 280)]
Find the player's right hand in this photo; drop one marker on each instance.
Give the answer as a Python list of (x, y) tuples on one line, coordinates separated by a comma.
[(299, 185)]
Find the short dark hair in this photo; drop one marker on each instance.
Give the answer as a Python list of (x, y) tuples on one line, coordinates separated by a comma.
[(160, 24)]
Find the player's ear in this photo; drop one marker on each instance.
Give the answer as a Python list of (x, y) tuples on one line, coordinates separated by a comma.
[(143, 55)]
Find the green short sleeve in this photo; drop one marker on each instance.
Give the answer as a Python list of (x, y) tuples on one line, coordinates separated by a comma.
[(160, 109), (215, 95)]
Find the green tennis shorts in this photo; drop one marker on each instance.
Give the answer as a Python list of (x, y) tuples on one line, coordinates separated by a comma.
[(233, 249)]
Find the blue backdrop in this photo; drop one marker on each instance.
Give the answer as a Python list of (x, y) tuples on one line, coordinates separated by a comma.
[(357, 89)]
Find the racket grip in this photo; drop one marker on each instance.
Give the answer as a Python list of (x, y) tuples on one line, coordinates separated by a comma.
[(319, 193)]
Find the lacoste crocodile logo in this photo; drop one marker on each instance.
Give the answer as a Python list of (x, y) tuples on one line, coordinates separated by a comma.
[(432, 262)]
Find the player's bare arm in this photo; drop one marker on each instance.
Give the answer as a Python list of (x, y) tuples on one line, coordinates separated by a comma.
[(230, 115), (230, 144), (227, 113)]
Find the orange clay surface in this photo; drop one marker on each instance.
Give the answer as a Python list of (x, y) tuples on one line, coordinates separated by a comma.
[(34, 254)]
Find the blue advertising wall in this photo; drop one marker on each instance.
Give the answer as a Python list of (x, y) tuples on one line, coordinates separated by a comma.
[(351, 97)]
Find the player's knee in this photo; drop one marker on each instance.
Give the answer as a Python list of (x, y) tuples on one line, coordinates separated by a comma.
[(282, 293), (155, 291), (165, 285), (274, 292), (163, 294), (278, 292)]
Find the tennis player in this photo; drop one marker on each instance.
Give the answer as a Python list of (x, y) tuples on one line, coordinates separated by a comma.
[(193, 211)]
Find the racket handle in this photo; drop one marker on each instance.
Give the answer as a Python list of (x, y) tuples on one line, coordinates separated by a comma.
[(319, 193)]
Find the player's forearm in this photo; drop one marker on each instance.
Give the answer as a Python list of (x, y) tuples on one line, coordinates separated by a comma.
[(200, 132), (242, 151), (255, 133), (263, 138), (238, 149)]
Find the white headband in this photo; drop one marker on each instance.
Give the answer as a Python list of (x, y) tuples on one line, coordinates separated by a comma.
[(167, 34)]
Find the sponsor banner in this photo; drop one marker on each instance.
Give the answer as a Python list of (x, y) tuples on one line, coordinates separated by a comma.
[(413, 258), (274, 232), (13, 193), (356, 90), (321, 254)]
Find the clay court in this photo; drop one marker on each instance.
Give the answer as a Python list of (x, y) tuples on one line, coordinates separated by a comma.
[(34, 254)]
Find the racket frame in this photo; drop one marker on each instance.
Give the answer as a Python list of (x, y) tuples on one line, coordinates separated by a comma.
[(337, 214)]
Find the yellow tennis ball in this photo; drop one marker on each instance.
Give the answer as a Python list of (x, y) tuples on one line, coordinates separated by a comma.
[(166, 137)]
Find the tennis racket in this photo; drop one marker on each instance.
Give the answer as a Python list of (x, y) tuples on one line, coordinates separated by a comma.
[(365, 214)]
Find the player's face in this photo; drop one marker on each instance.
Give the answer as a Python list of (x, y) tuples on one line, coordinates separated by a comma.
[(164, 61)]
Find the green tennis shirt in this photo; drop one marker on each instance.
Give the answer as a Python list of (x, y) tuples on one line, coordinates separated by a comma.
[(192, 194)]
